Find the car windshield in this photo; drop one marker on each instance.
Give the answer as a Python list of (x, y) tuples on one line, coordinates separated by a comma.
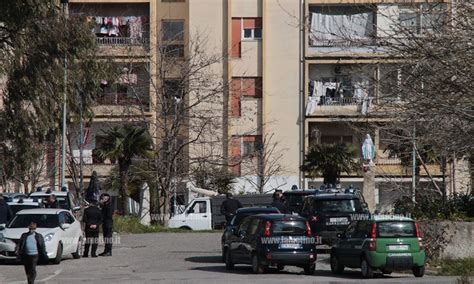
[(337, 205), (294, 200), (62, 200), (396, 229), (16, 208), (289, 228), (41, 220)]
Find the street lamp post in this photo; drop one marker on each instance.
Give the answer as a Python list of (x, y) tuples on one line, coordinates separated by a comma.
[(64, 6)]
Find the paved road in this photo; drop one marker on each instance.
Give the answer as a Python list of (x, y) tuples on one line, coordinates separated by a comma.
[(182, 258)]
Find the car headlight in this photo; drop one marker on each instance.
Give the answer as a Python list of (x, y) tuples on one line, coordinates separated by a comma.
[(48, 237), (2, 238)]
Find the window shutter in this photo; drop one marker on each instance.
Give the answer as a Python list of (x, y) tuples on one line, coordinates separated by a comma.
[(235, 49)]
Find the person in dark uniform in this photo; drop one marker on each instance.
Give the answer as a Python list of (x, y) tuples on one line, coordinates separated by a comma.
[(52, 202), (92, 220), (30, 249), (278, 203), (5, 211), (229, 206), (107, 223)]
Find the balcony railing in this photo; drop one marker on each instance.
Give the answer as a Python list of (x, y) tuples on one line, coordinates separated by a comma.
[(328, 101), (120, 99), (121, 41)]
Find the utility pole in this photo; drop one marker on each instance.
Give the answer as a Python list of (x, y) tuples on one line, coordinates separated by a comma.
[(413, 173), (301, 96), (81, 146), (64, 6)]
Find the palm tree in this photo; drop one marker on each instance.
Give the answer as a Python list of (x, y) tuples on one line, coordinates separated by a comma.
[(330, 160), (123, 144)]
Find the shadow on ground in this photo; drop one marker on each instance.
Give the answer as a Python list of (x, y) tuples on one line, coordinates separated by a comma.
[(205, 259)]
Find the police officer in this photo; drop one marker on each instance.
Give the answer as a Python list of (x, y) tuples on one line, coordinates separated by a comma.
[(278, 203), (229, 206), (92, 221), (107, 223)]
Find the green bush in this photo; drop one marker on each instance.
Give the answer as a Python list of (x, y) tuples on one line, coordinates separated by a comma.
[(455, 267), (132, 225), (432, 206)]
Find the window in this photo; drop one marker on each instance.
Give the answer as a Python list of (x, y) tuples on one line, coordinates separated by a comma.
[(173, 30), (199, 207), (245, 224), (243, 87), (252, 34), (336, 139), (254, 226), (244, 29), (395, 229), (289, 228), (250, 145), (251, 28), (173, 38), (172, 96), (172, 50)]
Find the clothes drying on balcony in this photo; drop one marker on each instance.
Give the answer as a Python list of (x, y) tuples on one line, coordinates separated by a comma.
[(128, 26), (329, 29)]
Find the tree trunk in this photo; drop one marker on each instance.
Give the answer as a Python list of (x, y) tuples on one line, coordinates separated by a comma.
[(123, 168)]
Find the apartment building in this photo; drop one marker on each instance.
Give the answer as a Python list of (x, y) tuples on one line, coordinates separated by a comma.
[(298, 73)]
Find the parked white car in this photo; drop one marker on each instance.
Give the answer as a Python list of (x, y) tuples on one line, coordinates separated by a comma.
[(61, 231)]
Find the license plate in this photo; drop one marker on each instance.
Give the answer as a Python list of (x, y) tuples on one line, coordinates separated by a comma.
[(290, 246), (341, 220), (397, 247)]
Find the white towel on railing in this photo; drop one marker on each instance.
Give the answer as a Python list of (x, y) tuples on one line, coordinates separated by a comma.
[(312, 103)]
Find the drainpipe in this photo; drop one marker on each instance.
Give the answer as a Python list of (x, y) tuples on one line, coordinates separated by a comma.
[(301, 95)]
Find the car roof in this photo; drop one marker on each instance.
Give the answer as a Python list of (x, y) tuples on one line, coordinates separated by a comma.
[(278, 217), (47, 193), (332, 196), (257, 209), (300, 192), (51, 211)]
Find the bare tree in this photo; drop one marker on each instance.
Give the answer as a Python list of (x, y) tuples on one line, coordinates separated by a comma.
[(263, 164)]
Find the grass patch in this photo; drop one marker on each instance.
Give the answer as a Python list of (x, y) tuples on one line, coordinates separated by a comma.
[(454, 267), (132, 225)]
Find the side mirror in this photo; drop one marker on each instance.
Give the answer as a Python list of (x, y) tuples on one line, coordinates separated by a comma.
[(2, 227), (364, 205), (65, 226)]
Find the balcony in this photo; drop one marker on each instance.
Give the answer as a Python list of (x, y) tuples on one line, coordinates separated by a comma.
[(336, 89)]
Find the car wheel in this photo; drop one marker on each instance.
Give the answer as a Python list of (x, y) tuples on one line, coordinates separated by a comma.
[(77, 254), (257, 266), (309, 269), (336, 266), (419, 271), (228, 260), (386, 271), (59, 254), (366, 270)]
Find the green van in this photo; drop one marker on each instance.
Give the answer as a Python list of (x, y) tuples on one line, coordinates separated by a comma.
[(381, 242)]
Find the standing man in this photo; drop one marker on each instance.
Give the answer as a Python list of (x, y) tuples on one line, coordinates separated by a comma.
[(52, 202), (92, 221), (229, 206), (30, 248), (5, 211), (107, 223), (277, 202)]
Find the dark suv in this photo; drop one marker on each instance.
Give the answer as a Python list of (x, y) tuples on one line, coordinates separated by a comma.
[(329, 214), (276, 240), (240, 214), (294, 199)]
